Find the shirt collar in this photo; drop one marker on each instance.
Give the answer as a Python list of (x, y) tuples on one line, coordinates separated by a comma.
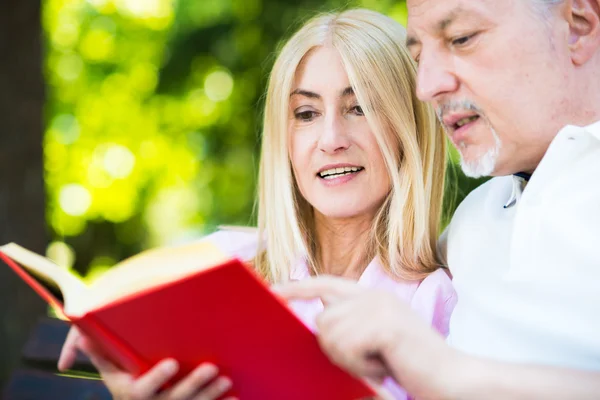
[(520, 179), (518, 185), (523, 175), (594, 129)]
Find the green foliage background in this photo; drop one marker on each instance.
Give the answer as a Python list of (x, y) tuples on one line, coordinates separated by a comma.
[(153, 117)]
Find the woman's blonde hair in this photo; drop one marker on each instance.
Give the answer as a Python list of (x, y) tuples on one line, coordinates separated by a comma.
[(407, 131)]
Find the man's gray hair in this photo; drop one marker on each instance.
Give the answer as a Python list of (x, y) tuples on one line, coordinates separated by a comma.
[(543, 3), (542, 6), (547, 1)]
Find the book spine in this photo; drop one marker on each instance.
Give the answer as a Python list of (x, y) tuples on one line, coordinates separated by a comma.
[(114, 349)]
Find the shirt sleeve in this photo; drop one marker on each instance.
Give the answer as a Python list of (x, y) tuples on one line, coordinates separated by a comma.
[(434, 300), (242, 244)]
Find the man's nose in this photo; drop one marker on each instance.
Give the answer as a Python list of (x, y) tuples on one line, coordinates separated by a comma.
[(436, 76)]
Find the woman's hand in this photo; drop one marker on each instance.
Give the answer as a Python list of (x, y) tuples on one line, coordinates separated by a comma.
[(201, 384)]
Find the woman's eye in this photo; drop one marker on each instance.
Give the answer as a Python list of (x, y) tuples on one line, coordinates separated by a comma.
[(357, 110), (305, 116)]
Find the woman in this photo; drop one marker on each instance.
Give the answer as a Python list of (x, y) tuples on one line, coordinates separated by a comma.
[(351, 184)]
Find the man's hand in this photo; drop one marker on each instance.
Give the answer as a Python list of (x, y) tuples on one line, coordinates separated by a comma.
[(355, 326), (373, 334)]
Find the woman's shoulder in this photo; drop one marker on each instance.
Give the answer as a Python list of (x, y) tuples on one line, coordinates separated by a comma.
[(235, 241), (433, 297), (437, 284)]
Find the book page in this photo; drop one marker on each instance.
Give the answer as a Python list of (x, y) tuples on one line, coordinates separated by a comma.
[(149, 269), (52, 276)]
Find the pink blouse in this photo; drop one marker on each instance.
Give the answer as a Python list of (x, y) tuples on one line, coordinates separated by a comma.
[(433, 298)]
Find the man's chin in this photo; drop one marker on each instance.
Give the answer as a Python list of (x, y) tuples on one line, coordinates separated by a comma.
[(474, 173), (480, 165), (485, 166)]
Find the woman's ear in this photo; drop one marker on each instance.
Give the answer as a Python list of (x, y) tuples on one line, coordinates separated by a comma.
[(584, 29)]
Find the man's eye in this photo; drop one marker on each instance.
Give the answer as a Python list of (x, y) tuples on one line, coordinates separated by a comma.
[(460, 41), (305, 115)]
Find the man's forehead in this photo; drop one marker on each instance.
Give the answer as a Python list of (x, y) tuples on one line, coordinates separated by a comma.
[(438, 14)]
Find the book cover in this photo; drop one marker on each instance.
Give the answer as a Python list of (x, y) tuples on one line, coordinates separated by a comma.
[(225, 315)]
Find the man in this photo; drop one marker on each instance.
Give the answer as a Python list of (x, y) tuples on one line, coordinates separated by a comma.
[(517, 86)]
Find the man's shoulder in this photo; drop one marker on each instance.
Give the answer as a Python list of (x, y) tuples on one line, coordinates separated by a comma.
[(492, 194)]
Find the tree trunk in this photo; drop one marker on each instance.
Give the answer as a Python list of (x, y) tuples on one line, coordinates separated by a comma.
[(22, 193)]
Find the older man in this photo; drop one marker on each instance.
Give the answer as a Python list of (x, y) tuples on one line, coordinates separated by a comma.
[(517, 85)]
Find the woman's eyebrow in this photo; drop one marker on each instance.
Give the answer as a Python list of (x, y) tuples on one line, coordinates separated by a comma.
[(349, 91), (306, 93)]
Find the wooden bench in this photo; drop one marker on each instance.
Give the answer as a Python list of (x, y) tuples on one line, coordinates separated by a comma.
[(38, 378)]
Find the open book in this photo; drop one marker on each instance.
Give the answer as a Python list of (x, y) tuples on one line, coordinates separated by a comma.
[(195, 304)]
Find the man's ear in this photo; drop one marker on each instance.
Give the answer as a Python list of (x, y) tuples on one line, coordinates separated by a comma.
[(584, 29)]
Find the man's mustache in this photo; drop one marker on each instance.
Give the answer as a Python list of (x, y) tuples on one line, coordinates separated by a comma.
[(456, 106)]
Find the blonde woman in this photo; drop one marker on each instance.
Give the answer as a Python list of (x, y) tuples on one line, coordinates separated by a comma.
[(351, 184)]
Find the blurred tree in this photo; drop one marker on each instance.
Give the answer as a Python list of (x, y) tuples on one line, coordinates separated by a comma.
[(22, 194), (153, 117)]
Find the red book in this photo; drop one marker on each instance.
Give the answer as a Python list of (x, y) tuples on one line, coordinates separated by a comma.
[(193, 304)]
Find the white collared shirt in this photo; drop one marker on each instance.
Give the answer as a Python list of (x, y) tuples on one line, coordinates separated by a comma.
[(528, 275)]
